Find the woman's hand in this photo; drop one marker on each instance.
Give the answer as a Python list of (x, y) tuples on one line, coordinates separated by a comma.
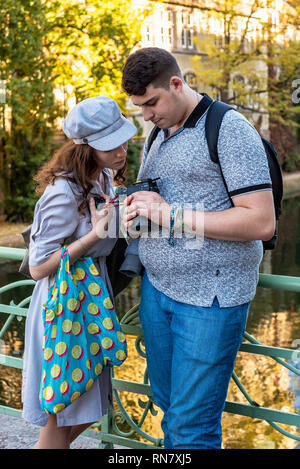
[(147, 204), (101, 218)]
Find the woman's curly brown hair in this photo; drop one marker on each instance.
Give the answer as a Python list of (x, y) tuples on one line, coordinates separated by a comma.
[(78, 160)]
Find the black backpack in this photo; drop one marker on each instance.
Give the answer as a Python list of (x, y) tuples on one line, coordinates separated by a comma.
[(215, 114)]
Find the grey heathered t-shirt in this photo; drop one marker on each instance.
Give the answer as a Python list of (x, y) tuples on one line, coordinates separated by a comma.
[(226, 269)]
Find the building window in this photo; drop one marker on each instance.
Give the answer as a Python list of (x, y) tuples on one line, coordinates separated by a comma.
[(187, 18), (187, 38), (162, 34), (190, 19), (191, 80), (183, 38), (253, 101), (170, 16), (148, 33), (190, 42), (238, 88), (166, 28), (186, 22), (219, 41), (170, 36)]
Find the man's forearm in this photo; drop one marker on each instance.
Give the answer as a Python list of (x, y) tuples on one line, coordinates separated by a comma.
[(251, 218), (233, 224)]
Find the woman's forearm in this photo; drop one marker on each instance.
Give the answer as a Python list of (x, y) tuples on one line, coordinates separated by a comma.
[(76, 249)]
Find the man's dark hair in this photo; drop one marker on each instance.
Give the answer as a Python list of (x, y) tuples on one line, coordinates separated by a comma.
[(149, 65)]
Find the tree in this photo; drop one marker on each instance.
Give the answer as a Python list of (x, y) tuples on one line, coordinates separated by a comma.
[(252, 64), (90, 41), (28, 111), (48, 49), (283, 64), (229, 52)]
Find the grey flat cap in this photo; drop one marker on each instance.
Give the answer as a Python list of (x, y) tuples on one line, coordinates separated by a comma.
[(99, 123)]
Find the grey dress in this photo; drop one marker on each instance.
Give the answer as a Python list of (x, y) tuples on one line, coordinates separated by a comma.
[(57, 221)]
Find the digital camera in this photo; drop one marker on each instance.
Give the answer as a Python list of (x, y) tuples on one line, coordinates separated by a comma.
[(140, 224), (142, 185)]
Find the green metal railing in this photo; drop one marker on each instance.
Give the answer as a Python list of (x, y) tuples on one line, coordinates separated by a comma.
[(110, 431)]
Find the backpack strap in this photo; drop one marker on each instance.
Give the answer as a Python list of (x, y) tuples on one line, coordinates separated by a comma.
[(152, 136), (213, 122), (276, 175), (215, 114)]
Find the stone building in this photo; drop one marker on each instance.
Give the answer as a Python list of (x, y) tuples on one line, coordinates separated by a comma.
[(180, 26)]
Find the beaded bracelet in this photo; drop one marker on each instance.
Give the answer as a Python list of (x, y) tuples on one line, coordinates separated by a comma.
[(178, 223), (172, 220)]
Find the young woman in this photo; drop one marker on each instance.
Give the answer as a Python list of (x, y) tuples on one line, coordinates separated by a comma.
[(66, 214)]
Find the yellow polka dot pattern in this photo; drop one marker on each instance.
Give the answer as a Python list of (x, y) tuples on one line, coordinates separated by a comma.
[(82, 334)]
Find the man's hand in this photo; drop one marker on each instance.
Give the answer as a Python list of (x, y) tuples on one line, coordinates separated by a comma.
[(146, 204)]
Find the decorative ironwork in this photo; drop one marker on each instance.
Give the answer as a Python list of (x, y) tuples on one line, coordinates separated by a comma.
[(111, 431)]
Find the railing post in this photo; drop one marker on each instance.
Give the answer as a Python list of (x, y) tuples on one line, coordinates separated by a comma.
[(107, 426)]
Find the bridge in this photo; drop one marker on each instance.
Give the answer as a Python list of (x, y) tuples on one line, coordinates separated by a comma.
[(108, 433)]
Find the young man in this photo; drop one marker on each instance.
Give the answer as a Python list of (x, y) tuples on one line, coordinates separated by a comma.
[(195, 301)]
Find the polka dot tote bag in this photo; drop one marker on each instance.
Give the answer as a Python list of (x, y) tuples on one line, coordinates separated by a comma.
[(81, 334)]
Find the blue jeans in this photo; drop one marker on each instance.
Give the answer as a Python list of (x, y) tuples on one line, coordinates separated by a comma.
[(191, 352)]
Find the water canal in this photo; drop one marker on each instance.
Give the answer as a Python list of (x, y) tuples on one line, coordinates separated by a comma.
[(274, 320)]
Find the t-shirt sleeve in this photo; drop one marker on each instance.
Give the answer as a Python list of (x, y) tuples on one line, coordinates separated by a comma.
[(242, 156), (55, 219)]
